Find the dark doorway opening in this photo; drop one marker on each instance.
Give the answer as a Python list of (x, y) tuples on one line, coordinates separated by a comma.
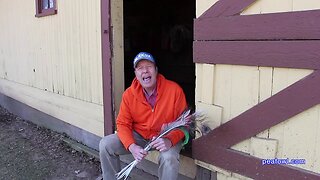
[(165, 29)]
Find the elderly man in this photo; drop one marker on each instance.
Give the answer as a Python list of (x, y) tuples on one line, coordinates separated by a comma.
[(146, 105)]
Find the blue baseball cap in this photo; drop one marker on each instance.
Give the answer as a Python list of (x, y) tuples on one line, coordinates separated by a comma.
[(143, 56)]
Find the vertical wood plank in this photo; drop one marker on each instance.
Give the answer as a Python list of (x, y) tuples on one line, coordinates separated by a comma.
[(81, 50), (305, 5), (222, 91), (273, 6), (282, 78), (64, 51), (47, 55), (254, 8), (207, 83), (265, 90), (316, 152), (203, 5), (265, 83), (245, 88), (199, 79), (93, 51), (98, 55)]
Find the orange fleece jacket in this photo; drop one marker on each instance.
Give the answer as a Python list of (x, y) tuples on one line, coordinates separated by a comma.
[(137, 114)]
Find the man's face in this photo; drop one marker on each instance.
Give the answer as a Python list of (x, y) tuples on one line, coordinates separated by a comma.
[(146, 74)]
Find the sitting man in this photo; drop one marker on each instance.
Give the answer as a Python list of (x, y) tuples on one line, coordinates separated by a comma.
[(146, 105)]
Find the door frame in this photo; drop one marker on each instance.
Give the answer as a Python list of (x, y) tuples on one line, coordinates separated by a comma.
[(107, 67)]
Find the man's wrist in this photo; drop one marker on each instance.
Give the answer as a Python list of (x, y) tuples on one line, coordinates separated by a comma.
[(170, 142), (131, 146)]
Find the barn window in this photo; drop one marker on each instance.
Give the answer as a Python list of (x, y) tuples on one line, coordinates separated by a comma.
[(46, 8)]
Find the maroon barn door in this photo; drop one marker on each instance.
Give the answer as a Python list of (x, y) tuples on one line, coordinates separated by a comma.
[(106, 67), (290, 40)]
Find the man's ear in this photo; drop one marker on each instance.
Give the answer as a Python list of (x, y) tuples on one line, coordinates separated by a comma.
[(156, 68)]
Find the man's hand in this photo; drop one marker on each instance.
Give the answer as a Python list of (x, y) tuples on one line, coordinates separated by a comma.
[(138, 152), (161, 144)]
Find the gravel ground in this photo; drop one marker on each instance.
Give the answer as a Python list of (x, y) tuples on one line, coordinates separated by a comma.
[(31, 152)]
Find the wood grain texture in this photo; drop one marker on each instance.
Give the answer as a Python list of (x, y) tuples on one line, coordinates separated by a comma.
[(288, 25), (289, 54)]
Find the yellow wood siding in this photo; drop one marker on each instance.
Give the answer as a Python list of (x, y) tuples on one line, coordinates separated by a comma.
[(55, 55), (59, 53), (238, 88)]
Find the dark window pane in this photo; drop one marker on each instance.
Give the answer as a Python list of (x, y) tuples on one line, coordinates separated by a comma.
[(45, 4), (51, 3)]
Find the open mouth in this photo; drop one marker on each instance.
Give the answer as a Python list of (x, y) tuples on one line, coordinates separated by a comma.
[(146, 79)]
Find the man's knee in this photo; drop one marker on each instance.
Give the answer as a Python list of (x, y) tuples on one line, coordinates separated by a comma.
[(169, 157), (108, 142), (103, 143)]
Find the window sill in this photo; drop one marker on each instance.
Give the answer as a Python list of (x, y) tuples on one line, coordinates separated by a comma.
[(47, 12)]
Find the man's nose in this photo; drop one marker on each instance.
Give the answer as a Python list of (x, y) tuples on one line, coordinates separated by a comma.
[(145, 69)]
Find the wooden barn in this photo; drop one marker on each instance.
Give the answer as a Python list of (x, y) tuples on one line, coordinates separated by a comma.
[(252, 66)]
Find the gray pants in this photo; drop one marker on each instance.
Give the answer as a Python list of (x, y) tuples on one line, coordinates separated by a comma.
[(111, 147)]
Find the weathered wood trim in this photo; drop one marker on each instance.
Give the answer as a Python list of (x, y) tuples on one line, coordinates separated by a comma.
[(226, 8), (288, 25), (294, 99), (106, 67), (289, 54)]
